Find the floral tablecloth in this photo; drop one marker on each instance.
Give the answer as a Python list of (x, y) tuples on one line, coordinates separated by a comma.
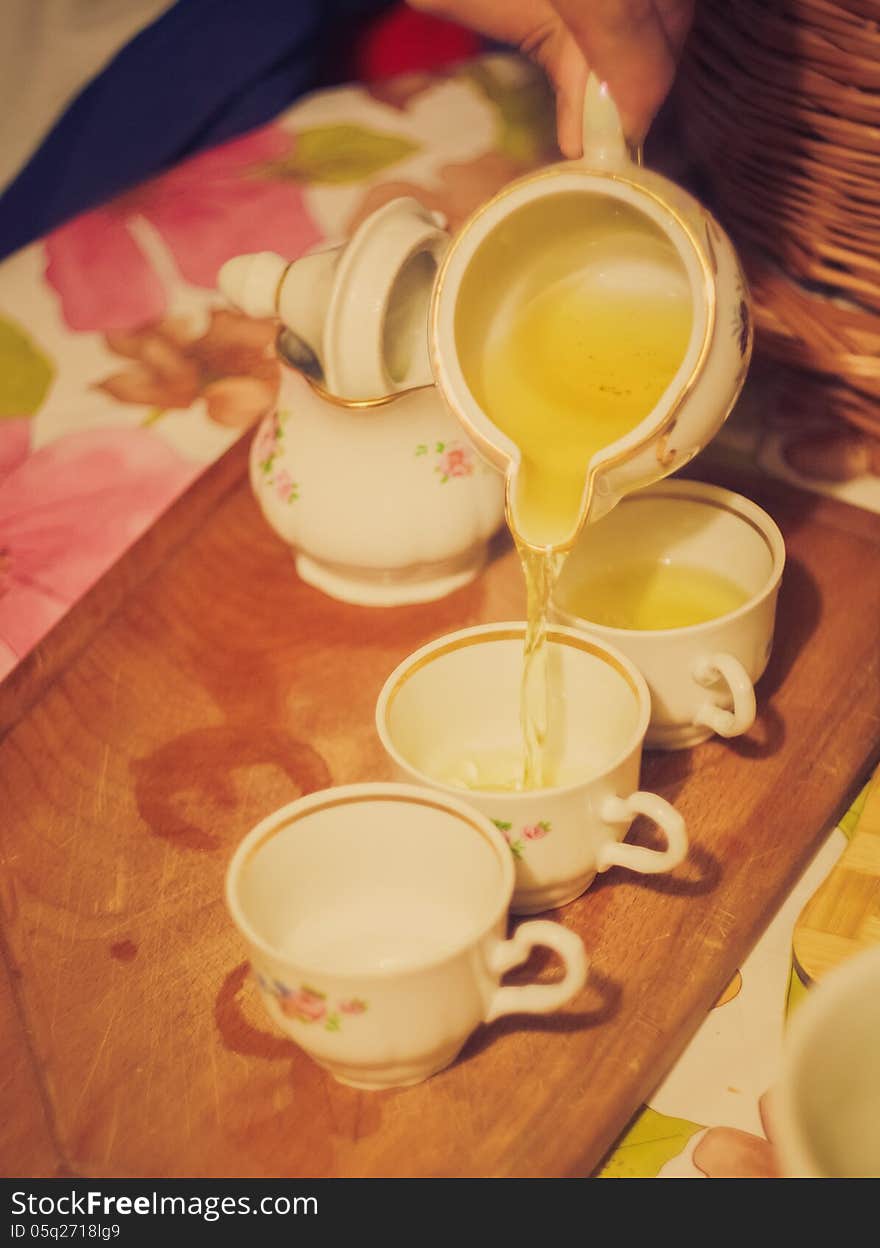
[(123, 375)]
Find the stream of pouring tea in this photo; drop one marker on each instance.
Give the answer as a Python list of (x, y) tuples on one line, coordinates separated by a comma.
[(568, 372), (541, 569)]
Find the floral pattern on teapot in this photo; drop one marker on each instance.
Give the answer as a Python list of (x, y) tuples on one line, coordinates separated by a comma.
[(453, 459), (269, 447)]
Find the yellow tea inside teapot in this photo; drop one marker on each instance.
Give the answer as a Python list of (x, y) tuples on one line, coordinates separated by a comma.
[(590, 322)]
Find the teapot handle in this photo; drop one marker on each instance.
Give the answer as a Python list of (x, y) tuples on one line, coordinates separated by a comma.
[(605, 145)]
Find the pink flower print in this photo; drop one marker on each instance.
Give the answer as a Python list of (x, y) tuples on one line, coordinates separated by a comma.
[(218, 204), (286, 488), (232, 366), (67, 512), (354, 1006), (15, 445), (304, 1004), (536, 831), (269, 441), (456, 462)]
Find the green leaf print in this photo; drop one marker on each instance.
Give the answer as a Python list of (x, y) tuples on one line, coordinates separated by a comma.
[(516, 848), (25, 372), (503, 825), (332, 1023), (651, 1141), (337, 154)]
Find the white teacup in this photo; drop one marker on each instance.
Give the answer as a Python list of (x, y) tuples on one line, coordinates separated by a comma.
[(375, 916), (701, 676), (453, 707), (825, 1113)]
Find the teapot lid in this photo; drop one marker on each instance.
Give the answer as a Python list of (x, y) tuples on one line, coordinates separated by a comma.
[(360, 309)]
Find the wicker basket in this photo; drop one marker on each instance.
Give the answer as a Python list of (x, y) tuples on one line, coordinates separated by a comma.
[(780, 107)]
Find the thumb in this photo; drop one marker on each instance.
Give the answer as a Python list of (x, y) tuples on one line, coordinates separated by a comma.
[(627, 45)]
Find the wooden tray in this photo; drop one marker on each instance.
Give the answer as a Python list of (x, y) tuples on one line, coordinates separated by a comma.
[(200, 686)]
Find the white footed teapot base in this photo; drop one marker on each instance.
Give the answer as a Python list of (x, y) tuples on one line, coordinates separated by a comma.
[(366, 587)]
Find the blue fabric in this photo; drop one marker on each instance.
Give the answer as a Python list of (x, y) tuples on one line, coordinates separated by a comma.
[(204, 71)]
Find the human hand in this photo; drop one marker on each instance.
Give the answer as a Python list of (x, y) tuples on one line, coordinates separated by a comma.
[(632, 45)]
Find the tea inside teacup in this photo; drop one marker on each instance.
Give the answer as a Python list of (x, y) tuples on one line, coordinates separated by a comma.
[(454, 716), (496, 771), (448, 717), (651, 594), (679, 555)]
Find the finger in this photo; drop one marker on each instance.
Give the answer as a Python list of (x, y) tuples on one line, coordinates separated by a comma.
[(627, 46), (728, 1153), (569, 72)]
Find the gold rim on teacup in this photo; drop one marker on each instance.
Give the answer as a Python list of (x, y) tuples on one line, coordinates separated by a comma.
[(482, 634), (702, 494), (364, 794)]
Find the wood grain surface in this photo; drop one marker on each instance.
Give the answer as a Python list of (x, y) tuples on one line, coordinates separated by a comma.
[(27, 1149), (221, 687)]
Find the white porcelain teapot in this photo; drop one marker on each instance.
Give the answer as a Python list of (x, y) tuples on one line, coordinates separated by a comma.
[(361, 467), (495, 251)]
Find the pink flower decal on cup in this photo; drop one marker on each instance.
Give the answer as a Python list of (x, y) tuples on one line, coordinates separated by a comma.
[(305, 1004), (309, 1005), (533, 832)]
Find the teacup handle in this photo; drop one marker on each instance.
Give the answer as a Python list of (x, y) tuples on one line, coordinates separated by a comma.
[(725, 667), (636, 857), (537, 998)]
